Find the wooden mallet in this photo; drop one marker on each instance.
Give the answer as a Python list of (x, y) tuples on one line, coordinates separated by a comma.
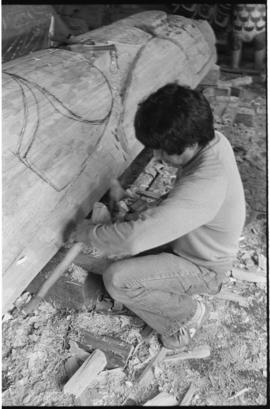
[(100, 214)]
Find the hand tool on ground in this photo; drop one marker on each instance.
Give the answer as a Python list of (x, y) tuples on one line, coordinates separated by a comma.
[(56, 274)]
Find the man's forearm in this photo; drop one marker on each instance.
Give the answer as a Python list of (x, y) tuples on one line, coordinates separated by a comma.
[(111, 240), (189, 206)]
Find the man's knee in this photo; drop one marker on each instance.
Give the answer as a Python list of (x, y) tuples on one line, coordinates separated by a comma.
[(113, 279)]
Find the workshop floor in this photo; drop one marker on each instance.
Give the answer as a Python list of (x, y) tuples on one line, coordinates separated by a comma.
[(35, 348)]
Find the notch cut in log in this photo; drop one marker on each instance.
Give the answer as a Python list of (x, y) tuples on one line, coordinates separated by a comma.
[(74, 127)]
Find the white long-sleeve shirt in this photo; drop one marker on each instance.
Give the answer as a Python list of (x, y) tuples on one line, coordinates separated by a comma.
[(202, 217)]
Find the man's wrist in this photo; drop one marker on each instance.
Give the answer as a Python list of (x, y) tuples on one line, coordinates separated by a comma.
[(92, 250)]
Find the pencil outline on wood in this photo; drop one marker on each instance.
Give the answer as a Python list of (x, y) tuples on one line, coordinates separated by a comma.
[(24, 157), (58, 105)]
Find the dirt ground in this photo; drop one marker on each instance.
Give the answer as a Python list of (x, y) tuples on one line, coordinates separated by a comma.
[(35, 349)]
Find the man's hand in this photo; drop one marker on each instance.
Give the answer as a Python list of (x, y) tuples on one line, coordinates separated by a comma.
[(100, 214), (81, 232)]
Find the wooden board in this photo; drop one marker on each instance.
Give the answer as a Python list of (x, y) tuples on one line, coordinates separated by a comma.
[(68, 127)]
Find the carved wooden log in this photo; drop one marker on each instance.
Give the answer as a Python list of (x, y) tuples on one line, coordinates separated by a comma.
[(68, 127)]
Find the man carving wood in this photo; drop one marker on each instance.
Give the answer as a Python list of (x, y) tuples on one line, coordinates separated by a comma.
[(200, 221)]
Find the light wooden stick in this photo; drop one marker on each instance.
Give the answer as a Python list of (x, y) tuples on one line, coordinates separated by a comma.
[(230, 296), (189, 395), (100, 214), (56, 274), (248, 276), (200, 352)]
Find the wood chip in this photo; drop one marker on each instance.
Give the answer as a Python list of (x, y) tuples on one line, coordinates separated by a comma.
[(149, 193), (74, 349), (248, 276), (225, 294), (145, 378), (148, 373), (239, 393), (72, 364), (189, 395), (200, 352), (162, 399), (86, 373), (262, 261)]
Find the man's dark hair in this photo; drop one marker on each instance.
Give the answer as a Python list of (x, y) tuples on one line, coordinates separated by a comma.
[(173, 118)]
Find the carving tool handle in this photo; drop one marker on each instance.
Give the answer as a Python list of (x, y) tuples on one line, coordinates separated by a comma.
[(72, 253)]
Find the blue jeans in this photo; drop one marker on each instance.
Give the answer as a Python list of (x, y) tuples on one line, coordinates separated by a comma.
[(159, 287)]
